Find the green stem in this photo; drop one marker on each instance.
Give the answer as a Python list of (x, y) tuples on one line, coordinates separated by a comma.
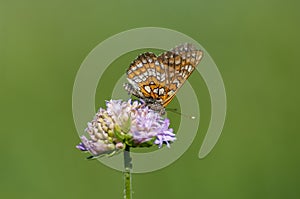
[(127, 173)]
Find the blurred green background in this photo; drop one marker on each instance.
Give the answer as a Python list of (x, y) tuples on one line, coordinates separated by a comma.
[(255, 45)]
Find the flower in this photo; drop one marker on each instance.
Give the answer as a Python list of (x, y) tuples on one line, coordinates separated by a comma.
[(149, 125), (166, 135), (123, 123)]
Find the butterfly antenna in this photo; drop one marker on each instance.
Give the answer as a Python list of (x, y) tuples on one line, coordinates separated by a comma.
[(174, 110)]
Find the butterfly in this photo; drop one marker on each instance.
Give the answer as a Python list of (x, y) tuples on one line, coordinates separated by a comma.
[(157, 79)]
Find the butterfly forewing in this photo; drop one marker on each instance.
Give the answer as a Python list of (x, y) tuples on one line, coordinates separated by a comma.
[(180, 62)]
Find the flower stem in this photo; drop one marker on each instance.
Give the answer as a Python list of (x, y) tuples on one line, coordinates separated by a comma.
[(127, 173)]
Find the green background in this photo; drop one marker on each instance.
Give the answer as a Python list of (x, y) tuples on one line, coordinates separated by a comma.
[(255, 45)]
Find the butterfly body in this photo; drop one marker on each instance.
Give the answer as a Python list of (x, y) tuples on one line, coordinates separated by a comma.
[(156, 79)]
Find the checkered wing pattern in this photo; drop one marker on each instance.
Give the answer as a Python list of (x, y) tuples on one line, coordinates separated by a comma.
[(157, 79)]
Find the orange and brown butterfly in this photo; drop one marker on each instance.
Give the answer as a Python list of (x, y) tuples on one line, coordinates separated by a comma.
[(156, 79)]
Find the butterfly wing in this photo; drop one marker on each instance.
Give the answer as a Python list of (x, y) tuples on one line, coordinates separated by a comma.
[(157, 79), (145, 77), (179, 63)]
